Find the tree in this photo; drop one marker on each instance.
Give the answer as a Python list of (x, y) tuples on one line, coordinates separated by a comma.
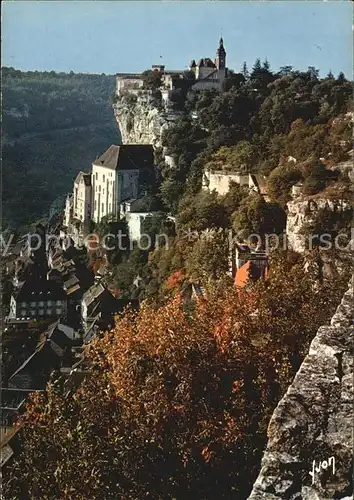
[(245, 72), (233, 159), (174, 395), (280, 181), (151, 79), (313, 72), (209, 257), (257, 217), (257, 65), (285, 70), (233, 80), (171, 190), (266, 65), (201, 211), (317, 177), (341, 78)]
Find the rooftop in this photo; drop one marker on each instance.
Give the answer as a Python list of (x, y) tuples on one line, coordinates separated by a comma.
[(127, 157), (83, 177)]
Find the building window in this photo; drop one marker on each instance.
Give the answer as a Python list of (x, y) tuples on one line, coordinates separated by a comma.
[(23, 313), (59, 310), (33, 313), (41, 312), (103, 177), (41, 304), (49, 310), (59, 302), (49, 303), (102, 207), (96, 175), (33, 304), (95, 205)]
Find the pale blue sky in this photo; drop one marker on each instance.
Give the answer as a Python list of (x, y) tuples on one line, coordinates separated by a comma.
[(114, 36)]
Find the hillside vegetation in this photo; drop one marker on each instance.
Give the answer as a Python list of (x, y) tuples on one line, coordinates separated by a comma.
[(289, 125), (54, 125), (175, 405)]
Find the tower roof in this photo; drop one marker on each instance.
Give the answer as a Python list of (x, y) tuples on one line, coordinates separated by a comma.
[(221, 48)]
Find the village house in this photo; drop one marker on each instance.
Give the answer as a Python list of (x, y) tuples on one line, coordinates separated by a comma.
[(251, 265), (135, 211), (38, 299), (99, 304), (68, 210), (52, 352), (82, 197)]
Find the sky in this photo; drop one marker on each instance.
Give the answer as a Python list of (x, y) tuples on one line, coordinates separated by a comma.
[(114, 36)]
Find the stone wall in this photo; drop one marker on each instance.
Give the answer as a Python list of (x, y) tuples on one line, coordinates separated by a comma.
[(220, 181), (314, 421)]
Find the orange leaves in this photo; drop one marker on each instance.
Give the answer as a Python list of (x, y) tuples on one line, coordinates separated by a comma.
[(175, 279), (207, 454), (237, 385), (183, 395)]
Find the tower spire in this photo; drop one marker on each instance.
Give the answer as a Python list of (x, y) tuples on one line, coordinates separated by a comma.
[(221, 55)]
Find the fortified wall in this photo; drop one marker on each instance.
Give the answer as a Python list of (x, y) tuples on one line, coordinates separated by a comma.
[(309, 455)]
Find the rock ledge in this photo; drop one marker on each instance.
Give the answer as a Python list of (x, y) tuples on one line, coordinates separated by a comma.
[(314, 421)]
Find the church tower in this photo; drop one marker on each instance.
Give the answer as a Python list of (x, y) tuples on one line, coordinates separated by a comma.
[(220, 61)]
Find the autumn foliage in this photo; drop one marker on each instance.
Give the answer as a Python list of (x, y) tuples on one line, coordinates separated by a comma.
[(176, 405)]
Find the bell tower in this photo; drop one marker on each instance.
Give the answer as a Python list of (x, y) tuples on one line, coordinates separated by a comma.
[(220, 61)]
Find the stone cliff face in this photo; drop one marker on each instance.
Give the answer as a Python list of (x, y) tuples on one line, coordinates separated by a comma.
[(303, 211), (142, 119), (313, 423)]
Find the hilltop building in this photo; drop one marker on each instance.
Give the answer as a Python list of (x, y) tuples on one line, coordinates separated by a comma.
[(208, 74)]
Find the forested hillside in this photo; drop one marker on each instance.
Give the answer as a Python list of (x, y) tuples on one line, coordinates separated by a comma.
[(290, 126), (54, 124)]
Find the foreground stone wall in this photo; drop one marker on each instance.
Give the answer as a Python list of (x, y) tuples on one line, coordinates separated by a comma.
[(314, 421)]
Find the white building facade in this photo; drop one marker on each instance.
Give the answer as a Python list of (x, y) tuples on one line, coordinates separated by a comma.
[(115, 177), (82, 197)]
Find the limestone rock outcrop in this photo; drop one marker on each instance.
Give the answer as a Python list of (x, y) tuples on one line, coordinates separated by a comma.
[(142, 121), (302, 212), (313, 422)]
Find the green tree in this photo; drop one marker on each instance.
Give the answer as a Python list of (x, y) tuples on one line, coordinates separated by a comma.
[(151, 79), (280, 181), (255, 216)]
